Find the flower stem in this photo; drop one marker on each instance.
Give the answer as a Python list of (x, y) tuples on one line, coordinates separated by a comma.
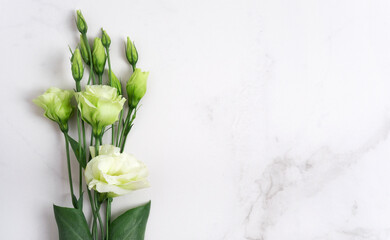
[(109, 64), (113, 134), (125, 126), (68, 162), (79, 122), (94, 229), (85, 39), (108, 217), (119, 128), (109, 83), (97, 204), (127, 130), (100, 77)]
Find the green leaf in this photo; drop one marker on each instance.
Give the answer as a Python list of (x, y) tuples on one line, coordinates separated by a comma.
[(71, 224), (131, 225), (74, 201), (80, 202), (75, 147)]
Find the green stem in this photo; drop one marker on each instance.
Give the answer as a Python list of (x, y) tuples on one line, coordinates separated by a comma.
[(97, 206), (94, 229), (109, 65), (119, 128), (68, 162), (113, 134), (108, 217), (109, 82), (89, 79), (123, 144), (96, 146), (91, 142), (100, 77), (127, 130), (125, 126), (78, 89), (85, 39), (84, 140)]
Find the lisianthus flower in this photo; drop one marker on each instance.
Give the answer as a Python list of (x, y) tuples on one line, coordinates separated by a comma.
[(99, 106), (57, 105), (114, 173)]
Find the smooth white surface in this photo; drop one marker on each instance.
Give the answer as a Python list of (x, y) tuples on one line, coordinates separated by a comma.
[(263, 120)]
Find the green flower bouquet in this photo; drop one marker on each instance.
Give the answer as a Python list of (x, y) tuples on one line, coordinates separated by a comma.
[(105, 169)]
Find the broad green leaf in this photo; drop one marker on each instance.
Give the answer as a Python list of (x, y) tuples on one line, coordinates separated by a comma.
[(130, 225), (75, 147), (71, 224)]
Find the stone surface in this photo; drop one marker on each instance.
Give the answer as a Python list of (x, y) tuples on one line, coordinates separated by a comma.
[(263, 120)]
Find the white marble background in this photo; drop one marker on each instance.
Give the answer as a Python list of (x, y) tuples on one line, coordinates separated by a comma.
[(264, 120)]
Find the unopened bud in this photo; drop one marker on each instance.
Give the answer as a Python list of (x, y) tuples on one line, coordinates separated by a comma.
[(77, 65), (80, 22), (136, 87), (84, 50), (131, 53), (106, 40), (98, 56)]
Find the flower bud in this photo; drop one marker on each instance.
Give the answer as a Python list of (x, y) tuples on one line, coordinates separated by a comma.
[(98, 56), (136, 87), (84, 50), (115, 83), (106, 40), (57, 105), (77, 65), (80, 22), (131, 53)]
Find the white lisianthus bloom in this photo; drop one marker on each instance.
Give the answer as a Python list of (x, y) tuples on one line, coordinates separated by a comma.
[(115, 173)]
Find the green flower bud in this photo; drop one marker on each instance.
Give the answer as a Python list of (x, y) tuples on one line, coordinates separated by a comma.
[(77, 65), (80, 22), (115, 83), (131, 53), (100, 106), (84, 50), (106, 40), (57, 106), (98, 56), (136, 87)]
